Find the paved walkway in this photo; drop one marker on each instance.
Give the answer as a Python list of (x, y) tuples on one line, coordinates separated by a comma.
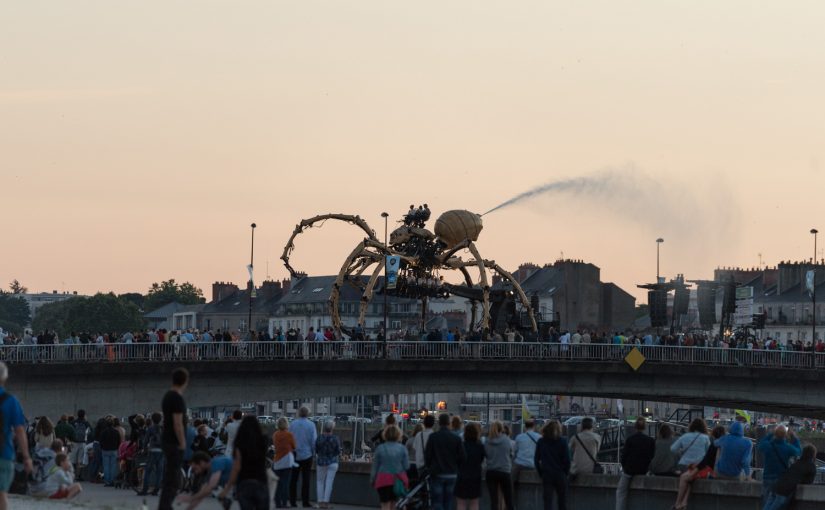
[(96, 496)]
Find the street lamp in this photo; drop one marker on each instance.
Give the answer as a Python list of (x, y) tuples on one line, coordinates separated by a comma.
[(813, 294), (385, 215), (658, 244), (251, 283)]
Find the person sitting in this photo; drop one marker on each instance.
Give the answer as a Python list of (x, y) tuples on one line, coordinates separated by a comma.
[(60, 484), (219, 470), (734, 458)]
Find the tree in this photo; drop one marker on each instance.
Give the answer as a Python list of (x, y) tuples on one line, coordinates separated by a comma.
[(101, 313), (17, 287), (163, 293), (134, 297), (14, 311)]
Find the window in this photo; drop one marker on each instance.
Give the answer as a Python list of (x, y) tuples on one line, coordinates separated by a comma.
[(318, 289), (225, 324), (395, 324), (242, 326)]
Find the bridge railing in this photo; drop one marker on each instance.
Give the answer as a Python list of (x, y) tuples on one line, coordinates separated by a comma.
[(422, 351)]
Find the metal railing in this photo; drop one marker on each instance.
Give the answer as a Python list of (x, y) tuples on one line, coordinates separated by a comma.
[(396, 350)]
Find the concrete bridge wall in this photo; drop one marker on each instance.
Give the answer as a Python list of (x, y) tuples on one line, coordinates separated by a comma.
[(123, 388)]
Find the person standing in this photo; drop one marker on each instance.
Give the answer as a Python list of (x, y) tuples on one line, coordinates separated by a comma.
[(174, 436), (499, 452), (444, 455), (389, 464), (525, 451), (328, 449), (249, 467), (637, 453), (420, 443), (777, 451), (284, 443), (552, 460), (583, 448), (305, 436), (468, 485), (14, 428), (109, 444), (82, 428), (153, 444), (803, 471)]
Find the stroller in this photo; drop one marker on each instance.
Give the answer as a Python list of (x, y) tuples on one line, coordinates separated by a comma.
[(130, 464), (418, 498)]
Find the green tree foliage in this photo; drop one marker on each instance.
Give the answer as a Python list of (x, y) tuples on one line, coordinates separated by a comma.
[(134, 297), (169, 291), (14, 312), (100, 313)]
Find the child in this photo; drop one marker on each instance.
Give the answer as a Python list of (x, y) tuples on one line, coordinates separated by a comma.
[(60, 483)]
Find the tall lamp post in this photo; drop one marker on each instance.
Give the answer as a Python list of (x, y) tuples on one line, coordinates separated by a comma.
[(385, 215), (658, 244), (251, 283), (813, 294)]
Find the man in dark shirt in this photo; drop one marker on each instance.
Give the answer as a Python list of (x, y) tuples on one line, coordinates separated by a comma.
[(637, 453), (443, 455), (174, 436), (802, 471)]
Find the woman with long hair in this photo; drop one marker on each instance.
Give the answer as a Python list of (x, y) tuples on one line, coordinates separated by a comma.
[(44, 433), (249, 467), (389, 468), (499, 453), (412, 472), (552, 461), (468, 485)]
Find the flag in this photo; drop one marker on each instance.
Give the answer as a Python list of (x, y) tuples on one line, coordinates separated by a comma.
[(743, 414), (525, 411), (620, 406), (393, 262), (251, 280), (809, 281)]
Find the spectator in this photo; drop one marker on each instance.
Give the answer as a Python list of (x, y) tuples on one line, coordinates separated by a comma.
[(636, 455), (803, 471), (305, 436), (80, 436), (174, 436), (692, 446), (328, 449), (413, 471), (232, 429), (249, 467), (421, 440), (499, 452), (153, 446), (664, 460), (64, 430), (583, 448), (284, 443), (456, 425), (13, 429), (444, 455), (734, 456), (389, 468), (109, 445), (44, 433), (219, 469), (60, 484), (468, 485), (777, 452), (525, 451), (552, 460), (698, 471)]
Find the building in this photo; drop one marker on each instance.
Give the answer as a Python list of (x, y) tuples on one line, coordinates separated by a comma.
[(161, 318), (35, 301), (306, 305), (571, 292), (229, 307)]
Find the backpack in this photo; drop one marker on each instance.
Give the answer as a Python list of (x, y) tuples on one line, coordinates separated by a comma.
[(81, 431), (42, 463), (152, 438)]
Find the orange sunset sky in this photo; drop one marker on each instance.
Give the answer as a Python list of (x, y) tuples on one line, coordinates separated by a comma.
[(139, 139)]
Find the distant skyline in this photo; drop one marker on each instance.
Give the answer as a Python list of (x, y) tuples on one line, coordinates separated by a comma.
[(138, 140)]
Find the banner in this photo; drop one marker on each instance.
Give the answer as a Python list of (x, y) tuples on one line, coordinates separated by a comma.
[(809, 281), (525, 411), (743, 414), (251, 280), (393, 262)]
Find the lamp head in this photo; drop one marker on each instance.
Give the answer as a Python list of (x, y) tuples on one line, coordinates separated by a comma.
[(660, 240), (253, 225), (384, 214), (814, 231)]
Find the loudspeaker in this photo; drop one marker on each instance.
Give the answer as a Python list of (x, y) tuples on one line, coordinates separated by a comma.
[(729, 298), (657, 302), (706, 301), (681, 300)]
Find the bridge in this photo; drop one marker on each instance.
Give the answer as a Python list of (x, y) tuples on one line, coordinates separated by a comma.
[(123, 379)]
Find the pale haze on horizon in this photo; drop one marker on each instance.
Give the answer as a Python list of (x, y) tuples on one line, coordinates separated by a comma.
[(138, 140)]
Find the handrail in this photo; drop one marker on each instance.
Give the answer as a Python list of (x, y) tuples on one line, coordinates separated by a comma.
[(398, 350)]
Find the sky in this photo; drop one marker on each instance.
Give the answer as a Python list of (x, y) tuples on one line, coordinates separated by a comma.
[(139, 139)]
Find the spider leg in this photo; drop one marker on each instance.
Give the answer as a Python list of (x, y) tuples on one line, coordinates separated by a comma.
[(519, 291), (485, 287), (309, 223), (367, 296)]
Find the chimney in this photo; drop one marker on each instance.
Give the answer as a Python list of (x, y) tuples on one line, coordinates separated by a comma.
[(269, 289), (222, 290)]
